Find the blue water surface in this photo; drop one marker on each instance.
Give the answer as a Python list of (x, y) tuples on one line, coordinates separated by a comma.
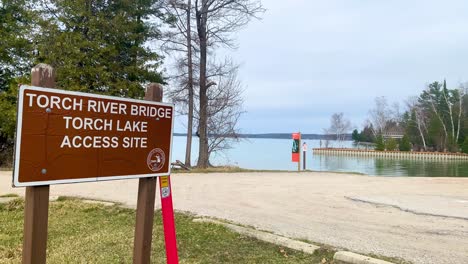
[(275, 154)]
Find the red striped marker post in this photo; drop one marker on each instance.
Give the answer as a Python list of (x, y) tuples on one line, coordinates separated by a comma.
[(168, 220)]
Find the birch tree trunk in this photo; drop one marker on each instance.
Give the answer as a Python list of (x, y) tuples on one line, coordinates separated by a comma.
[(461, 95), (421, 126), (449, 106)]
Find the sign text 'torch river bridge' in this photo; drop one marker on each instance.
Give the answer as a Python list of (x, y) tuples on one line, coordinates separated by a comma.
[(65, 137)]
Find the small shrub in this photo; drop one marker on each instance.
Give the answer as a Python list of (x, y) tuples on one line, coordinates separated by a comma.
[(464, 146), (391, 144), (6, 157), (405, 144), (355, 136), (379, 143)]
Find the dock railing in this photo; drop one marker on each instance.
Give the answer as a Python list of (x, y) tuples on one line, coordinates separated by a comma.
[(391, 154)]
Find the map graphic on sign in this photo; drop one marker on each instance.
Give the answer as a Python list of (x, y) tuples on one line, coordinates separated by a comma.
[(65, 137)]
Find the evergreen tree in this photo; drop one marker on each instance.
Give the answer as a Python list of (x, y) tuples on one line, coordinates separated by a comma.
[(464, 147), (444, 105), (391, 144), (95, 46), (16, 22), (436, 134), (411, 128), (379, 143), (101, 46), (405, 144), (16, 27), (367, 135), (355, 136)]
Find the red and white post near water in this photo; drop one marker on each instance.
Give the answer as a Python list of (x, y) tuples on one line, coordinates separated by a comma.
[(304, 156), (296, 152)]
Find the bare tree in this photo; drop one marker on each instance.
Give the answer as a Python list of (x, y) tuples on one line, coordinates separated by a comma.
[(326, 137), (421, 118), (224, 110), (448, 98), (216, 20), (380, 116), (180, 40), (462, 91), (432, 98), (224, 103), (396, 113), (421, 122), (339, 126)]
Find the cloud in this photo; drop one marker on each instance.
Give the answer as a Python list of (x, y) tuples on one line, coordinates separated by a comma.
[(308, 59), (321, 57)]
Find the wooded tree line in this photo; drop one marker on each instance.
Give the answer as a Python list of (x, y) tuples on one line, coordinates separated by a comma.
[(116, 47), (436, 120)]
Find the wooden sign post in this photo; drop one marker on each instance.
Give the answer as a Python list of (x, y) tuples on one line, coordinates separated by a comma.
[(144, 221), (145, 203), (36, 208)]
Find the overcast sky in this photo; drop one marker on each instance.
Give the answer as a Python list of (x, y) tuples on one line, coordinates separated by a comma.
[(307, 59)]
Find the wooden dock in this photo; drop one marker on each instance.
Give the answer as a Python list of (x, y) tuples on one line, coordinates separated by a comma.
[(391, 154)]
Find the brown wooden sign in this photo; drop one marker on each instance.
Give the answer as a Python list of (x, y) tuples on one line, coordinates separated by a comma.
[(67, 137)]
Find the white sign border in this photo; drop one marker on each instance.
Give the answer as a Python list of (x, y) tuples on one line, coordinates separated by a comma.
[(19, 124)]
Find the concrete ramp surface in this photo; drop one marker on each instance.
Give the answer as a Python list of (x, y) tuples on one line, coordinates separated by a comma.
[(432, 205)]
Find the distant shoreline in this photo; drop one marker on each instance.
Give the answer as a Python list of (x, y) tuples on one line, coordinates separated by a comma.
[(279, 136)]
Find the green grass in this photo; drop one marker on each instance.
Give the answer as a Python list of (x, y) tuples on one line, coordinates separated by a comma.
[(92, 233), (234, 169), (221, 169), (9, 195), (231, 169), (340, 172)]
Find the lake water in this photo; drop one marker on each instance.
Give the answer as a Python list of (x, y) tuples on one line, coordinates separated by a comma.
[(275, 154)]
